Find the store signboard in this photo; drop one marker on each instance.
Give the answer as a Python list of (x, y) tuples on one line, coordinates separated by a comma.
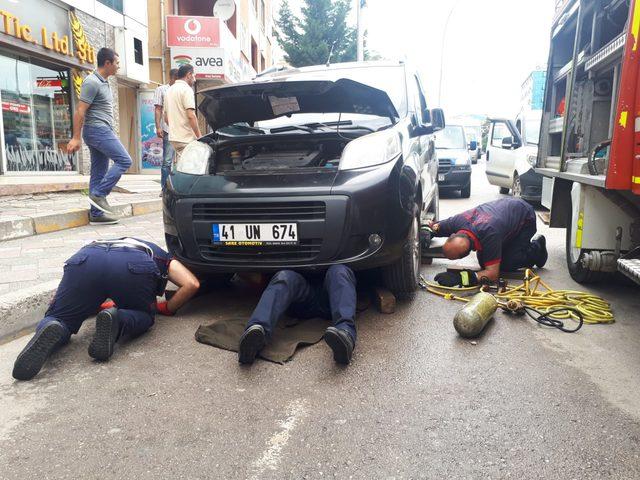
[(207, 62), (16, 107), (151, 153), (199, 32), (47, 26)]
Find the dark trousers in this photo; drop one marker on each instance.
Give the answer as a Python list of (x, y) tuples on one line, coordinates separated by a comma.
[(127, 276), (334, 298), (518, 252)]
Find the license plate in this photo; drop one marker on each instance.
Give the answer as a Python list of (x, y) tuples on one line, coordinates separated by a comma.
[(255, 234), (441, 178)]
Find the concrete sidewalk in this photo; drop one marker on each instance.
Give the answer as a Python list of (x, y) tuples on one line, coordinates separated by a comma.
[(25, 215), (31, 267)]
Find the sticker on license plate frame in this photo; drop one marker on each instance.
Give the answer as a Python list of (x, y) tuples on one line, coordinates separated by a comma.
[(254, 234)]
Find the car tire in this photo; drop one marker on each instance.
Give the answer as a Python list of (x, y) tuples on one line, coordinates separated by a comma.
[(403, 276), (516, 188), (466, 191), (504, 190), (574, 256)]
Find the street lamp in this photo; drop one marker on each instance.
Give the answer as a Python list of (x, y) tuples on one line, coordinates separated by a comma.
[(444, 38)]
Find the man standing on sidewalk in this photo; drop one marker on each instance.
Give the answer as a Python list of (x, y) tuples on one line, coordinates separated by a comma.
[(162, 129), (94, 118), (180, 105)]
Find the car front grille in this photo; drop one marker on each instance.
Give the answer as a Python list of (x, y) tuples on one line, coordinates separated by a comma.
[(307, 250), (444, 165), (259, 212)]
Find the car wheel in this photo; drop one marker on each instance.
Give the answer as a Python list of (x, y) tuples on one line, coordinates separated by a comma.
[(403, 276), (574, 260), (504, 190), (466, 191), (516, 188)]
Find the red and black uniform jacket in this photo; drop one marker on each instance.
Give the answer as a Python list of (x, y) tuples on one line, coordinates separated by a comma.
[(490, 226)]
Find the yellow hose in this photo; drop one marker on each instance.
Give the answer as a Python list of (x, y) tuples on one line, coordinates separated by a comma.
[(536, 294)]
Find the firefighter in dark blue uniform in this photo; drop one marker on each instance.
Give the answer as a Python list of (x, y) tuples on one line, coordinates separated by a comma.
[(130, 272), (332, 296), (503, 234)]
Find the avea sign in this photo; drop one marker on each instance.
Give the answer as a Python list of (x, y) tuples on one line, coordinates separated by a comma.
[(208, 61)]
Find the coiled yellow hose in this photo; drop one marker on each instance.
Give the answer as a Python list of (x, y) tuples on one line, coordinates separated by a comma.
[(536, 294)]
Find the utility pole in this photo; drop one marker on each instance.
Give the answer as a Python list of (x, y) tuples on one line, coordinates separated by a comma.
[(444, 39), (359, 5)]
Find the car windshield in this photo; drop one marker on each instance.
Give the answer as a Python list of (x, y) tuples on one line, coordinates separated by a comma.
[(451, 137), (389, 79), (532, 131), (473, 133)]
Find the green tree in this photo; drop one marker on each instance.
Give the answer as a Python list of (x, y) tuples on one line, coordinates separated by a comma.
[(322, 25)]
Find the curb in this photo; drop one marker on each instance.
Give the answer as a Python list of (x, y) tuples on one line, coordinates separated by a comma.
[(23, 309), (20, 227)]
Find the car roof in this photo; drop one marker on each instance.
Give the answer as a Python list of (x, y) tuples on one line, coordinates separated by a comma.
[(291, 72)]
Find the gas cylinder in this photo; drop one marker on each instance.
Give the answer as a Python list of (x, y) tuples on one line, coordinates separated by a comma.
[(474, 316)]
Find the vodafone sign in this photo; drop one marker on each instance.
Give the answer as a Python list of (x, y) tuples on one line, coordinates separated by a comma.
[(185, 31)]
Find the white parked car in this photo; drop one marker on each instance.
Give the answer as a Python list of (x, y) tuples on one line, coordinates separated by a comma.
[(512, 151)]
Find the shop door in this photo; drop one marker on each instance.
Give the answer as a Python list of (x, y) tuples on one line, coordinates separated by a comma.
[(36, 117), (128, 116)]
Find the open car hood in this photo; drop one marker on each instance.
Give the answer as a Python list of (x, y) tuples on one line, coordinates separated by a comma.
[(255, 101)]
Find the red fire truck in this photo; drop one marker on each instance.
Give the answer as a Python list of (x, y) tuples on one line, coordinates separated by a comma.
[(589, 151)]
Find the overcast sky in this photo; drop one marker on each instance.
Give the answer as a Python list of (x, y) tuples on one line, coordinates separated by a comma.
[(490, 48)]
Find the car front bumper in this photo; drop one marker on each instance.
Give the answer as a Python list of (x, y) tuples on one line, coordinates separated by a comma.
[(531, 185), (454, 178), (337, 223)]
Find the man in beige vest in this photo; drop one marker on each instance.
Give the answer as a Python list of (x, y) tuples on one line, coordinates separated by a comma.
[(180, 110)]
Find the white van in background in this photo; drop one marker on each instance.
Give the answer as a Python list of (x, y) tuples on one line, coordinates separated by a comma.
[(512, 150)]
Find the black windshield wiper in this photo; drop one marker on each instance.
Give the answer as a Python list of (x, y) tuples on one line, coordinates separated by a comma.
[(289, 128), (244, 128), (349, 125)]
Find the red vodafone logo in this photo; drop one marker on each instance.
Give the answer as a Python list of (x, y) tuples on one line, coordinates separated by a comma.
[(192, 26), (185, 31)]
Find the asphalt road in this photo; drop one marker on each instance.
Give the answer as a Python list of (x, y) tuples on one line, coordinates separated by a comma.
[(417, 402)]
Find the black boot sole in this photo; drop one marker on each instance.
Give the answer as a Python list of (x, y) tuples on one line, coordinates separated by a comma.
[(339, 346), (101, 347), (250, 344), (544, 255), (32, 358)]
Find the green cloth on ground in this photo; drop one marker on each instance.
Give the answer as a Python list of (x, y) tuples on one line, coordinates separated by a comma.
[(289, 334)]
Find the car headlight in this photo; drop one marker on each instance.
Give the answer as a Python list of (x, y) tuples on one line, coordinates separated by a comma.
[(532, 159), (462, 160), (194, 158), (370, 150)]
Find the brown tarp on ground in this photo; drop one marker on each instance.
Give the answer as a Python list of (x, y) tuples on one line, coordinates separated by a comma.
[(287, 337)]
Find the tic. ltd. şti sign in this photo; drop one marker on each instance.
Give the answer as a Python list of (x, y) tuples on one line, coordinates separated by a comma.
[(50, 30)]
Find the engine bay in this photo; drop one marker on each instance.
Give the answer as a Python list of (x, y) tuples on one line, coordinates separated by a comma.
[(273, 155)]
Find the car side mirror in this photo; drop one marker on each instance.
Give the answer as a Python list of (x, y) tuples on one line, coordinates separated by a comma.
[(507, 143), (436, 123), (473, 145), (437, 119)]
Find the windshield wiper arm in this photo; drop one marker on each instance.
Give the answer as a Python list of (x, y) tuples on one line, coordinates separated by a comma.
[(247, 128), (348, 123), (288, 128)]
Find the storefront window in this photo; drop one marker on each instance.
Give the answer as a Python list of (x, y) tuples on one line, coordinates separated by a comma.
[(36, 116)]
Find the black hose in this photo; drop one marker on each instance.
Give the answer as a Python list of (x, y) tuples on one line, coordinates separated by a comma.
[(544, 318)]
